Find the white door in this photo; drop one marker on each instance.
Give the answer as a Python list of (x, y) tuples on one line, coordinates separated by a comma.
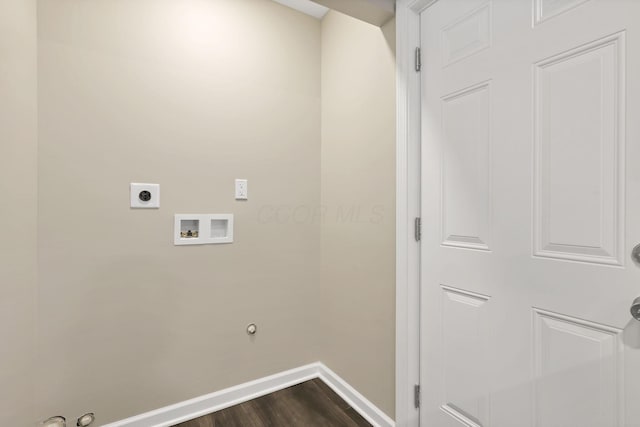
[(531, 208)]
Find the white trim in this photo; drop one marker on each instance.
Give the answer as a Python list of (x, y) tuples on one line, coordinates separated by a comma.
[(194, 408), (368, 410), (407, 209)]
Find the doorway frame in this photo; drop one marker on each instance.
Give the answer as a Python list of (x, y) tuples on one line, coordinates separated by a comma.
[(408, 199)]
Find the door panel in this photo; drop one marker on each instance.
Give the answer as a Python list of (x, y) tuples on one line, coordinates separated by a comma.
[(467, 35), (464, 344), (570, 355), (466, 182), (546, 9), (579, 119), (529, 195)]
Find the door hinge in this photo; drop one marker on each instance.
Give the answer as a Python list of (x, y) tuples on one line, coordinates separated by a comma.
[(418, 229), (418, 60), (416, 395)]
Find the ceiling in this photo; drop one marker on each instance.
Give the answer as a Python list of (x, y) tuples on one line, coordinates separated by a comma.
[(306, 6), (376, 12)]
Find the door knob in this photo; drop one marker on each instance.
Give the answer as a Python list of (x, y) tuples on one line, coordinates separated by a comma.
[(635, 254), (635, 309)]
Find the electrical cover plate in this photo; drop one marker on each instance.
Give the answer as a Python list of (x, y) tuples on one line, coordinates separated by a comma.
[(145, 196)]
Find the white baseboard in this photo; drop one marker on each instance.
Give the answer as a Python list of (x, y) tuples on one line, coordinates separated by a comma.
[(368, 410), (194, 408)]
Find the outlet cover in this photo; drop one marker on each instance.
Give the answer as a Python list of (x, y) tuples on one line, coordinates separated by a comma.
[(242, 189), (145, 196)]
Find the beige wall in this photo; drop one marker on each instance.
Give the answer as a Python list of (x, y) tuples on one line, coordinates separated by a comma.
[(192, 94), (18, 209), (358, 193), (189, 94)]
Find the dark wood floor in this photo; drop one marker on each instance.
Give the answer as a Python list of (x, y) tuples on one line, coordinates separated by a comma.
[(310, 404)]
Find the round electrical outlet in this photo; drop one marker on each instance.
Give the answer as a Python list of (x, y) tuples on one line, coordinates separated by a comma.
[(86, 419), (57, 421), (145, 196)]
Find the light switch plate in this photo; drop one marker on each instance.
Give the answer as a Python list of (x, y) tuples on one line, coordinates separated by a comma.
[(145, 196), (242, 189)]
